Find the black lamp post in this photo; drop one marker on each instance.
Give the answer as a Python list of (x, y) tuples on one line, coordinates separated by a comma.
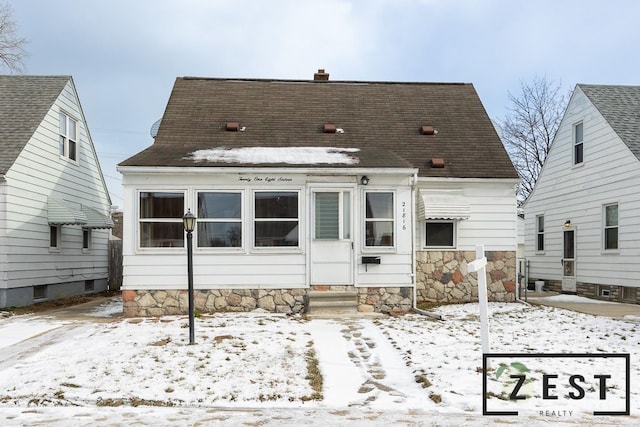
[(189, 223)]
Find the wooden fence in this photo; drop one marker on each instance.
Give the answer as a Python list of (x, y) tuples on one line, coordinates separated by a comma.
[(115, 265)]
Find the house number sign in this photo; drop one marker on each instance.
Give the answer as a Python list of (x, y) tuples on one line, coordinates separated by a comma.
[(404, 215)]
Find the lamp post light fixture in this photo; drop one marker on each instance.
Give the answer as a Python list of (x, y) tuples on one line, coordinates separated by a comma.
[(189, 223)]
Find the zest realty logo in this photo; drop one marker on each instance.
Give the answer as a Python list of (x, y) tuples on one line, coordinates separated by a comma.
[(556, 384)]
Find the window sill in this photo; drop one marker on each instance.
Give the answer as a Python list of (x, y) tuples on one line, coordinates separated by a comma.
[(220, 250), (68, 160), (610, 252), (438, 248), (379, 250), (276, 250), (54, 250)]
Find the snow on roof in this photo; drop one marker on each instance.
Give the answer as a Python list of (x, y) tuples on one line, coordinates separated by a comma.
[(288, 155)]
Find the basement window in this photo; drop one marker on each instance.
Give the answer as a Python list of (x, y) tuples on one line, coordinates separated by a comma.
[(39, 292)]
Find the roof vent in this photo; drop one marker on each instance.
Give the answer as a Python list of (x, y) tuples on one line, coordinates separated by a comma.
[(437, 163), (320, 75), (232, 126), (329, 128), (428, 130)]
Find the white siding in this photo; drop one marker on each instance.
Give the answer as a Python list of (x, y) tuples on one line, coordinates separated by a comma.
[(165, 268), (40, 172), (493, 217), (610, 173), (3, 236), (395, 268)]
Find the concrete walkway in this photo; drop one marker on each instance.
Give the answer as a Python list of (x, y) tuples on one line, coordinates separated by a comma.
[(584, 305)]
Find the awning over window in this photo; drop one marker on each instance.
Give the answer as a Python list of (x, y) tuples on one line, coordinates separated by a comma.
[(96, 219), (443, 204), (62, 213)]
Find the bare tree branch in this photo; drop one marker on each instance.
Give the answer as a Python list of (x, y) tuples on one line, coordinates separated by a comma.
[(12, 52), (529, 127)]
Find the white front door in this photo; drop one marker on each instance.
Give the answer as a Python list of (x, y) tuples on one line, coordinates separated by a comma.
[(332, 237), (569, 261)]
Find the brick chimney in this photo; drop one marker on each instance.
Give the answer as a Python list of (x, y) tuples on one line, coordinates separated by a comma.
[(321, 75)]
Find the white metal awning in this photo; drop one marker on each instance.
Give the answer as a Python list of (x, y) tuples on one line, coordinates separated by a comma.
[(443, 204), (96, 219), (62, 213)]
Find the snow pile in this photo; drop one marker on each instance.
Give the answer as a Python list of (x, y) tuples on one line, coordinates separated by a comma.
[(273, 155)]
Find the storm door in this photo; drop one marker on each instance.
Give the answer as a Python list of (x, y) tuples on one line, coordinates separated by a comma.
[(332, 237), (569, 261)]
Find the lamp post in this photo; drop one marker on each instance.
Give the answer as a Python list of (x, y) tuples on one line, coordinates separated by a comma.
[(189, 223)]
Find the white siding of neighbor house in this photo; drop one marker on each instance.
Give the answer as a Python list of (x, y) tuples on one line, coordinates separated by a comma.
[(492, 219), (609, 174), (258, 268), (3, 234), (40, 172)]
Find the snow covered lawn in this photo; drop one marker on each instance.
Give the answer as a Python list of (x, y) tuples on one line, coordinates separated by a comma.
[(409, 365)]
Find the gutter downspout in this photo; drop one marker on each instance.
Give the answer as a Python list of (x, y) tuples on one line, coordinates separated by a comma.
[(414, 251)]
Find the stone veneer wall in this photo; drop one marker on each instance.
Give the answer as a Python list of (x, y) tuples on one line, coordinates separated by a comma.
[(442, 276), (159, 302), (385, 300), (144, 303)]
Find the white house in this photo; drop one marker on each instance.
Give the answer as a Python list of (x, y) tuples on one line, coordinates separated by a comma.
[(582, 221), (373, 192), (54, 205)]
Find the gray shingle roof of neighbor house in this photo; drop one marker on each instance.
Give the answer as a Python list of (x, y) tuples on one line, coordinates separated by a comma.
[(620, 106), (384, 120), (24, 102)]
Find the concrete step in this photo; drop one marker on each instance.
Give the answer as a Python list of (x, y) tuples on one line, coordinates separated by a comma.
[(330, 295), (332, 303)]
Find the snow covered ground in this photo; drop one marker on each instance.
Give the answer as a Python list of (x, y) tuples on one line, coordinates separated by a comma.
[(257, 368)]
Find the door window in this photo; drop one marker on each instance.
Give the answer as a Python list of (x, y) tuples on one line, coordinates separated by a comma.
[(569, 253), (332, 215)]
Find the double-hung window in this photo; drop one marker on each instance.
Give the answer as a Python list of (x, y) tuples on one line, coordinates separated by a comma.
[(219, 219), (539, 233), (160, 220), (276, 218), (578, 145), (611, 227), (379, 219), (68, 137)]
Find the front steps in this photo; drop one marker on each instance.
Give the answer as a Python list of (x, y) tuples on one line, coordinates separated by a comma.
[(332, 303)]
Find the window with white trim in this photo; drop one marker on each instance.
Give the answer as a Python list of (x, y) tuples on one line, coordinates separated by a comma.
[(219, 219), (539, 233), (578, 144), (160, 219), (55, 237), (379, 219), (610, 232), (440, 234), (68, 137), (276, 218), (86, 239)]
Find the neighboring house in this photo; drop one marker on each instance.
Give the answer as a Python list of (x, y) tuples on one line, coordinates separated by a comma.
[(582, 218), (54, 205), (378, 190)]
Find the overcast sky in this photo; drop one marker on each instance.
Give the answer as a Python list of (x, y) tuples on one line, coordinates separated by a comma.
[(124, 55)]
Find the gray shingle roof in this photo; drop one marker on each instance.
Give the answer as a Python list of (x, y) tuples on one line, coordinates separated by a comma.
[(620, 106), (382, 119), (24, 102)]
